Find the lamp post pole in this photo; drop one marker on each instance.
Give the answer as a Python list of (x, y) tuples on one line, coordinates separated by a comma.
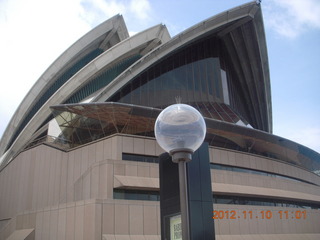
[(182, 158), (184, 202)]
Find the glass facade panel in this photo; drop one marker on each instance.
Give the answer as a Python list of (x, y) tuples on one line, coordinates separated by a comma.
[(102, 80), (193, 83), (192, 74)]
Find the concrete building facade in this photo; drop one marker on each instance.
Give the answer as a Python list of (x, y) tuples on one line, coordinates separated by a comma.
[(79, 159)]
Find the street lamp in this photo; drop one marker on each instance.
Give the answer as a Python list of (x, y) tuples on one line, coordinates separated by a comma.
[(180, 130)]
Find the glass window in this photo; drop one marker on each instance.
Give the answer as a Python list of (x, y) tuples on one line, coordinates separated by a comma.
[(136, 195), (190, 73), (216, 76), (210, 77), (139, 158), (132, 194), (196, 76)]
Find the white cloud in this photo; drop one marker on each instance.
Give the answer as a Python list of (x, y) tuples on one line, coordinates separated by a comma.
[(33, 34), (290, 18), (136, 12), (140, 8), (97, 11)]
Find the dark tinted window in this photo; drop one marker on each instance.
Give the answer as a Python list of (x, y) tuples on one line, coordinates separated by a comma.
[(140, 158)]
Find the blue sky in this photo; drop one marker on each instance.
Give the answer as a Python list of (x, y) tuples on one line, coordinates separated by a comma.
[(35, 32)]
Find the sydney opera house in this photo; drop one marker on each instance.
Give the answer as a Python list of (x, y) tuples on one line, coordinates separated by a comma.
[(79, 159)]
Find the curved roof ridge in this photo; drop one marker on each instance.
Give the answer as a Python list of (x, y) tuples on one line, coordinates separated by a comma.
[(138, 42), (69, 55), (181, 39)]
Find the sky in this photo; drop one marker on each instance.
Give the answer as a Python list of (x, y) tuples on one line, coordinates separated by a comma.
[(34, 33)]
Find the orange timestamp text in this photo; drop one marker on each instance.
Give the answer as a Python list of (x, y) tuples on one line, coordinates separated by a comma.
[(248, 214)]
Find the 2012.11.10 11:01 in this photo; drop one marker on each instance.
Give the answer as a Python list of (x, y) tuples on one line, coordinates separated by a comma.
[(264, 214)]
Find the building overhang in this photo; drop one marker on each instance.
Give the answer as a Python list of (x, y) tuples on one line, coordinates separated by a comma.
[(83, 123)]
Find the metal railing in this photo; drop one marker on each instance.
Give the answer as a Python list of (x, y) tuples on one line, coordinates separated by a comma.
[(56, 142)]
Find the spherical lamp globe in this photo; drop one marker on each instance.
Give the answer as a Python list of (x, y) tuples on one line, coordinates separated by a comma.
[(180, 128)]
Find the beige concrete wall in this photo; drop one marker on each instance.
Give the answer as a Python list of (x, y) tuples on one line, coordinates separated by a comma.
[(44, 176), (89, 219), (32, 181), (67, 221), (265, 185), (251, 161), (57, 193)]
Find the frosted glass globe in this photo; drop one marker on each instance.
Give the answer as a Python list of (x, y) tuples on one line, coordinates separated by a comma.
[(180, 127)]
